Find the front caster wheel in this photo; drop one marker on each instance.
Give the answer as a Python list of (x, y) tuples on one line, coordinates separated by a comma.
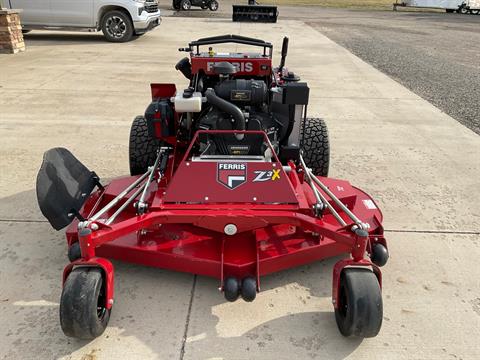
[(249, 289), (83, 313), (359, 310)]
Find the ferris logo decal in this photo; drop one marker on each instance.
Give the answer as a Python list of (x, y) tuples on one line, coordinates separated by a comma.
[(268, 175), (240, 66), (231, 175)]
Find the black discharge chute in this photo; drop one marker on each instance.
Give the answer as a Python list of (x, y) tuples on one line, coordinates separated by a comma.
[(63, 186)]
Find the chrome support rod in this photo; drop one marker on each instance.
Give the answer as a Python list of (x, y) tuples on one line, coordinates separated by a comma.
[(120, 196), (320, 198), (337, 201), (112, 218), (141, 206)]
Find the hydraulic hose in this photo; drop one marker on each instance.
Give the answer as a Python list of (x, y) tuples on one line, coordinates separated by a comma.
[(229, 108)]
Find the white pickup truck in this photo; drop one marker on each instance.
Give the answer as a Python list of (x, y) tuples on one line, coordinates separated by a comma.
[(119, 20)]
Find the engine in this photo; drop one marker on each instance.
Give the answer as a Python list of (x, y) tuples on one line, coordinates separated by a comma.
[(240, 104), (233, 92)]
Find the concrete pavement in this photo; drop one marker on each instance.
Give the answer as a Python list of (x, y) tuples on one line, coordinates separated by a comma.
[(423, 167)]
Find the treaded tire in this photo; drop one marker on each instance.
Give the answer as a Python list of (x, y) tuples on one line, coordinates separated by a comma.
[(360, 307), (129, 31), (142, 147), (82, 306), (213, 5), (185, 5), (316, 146)]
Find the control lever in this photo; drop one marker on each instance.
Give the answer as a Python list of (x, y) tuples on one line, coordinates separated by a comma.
[(284, 53)]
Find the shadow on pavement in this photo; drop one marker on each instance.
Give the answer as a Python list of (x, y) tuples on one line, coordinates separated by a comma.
[(47, 38)]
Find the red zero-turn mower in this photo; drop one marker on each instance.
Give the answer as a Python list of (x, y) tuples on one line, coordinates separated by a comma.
[(228, 179)]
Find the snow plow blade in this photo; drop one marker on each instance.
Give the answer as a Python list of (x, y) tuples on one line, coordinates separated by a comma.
[(255, 13)]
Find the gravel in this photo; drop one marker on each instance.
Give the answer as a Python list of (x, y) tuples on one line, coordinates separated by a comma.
[(435, 55)]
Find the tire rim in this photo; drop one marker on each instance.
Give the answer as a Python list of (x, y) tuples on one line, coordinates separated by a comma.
[(116, 27), (101, 309), (343, 301), (186, 6), (214, 6)]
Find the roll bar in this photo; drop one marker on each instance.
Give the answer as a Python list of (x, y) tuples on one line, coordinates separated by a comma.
[(223, 39)]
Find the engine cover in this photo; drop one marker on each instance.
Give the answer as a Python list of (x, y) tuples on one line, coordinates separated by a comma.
[(242, 91)]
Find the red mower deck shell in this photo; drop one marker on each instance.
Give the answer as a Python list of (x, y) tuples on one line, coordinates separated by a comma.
[(189, 236)]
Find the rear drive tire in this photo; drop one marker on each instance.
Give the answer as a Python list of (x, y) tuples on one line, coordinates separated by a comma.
[(213, 5), (316, 146), (117, 26), (83, 313), (142, 147), (360, 308)]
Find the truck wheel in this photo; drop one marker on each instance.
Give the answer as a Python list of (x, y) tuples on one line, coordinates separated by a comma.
[(176, 4), (315, 146), (213, 6), (185, 5), (117, 26), (360, 309), (142, 147), (83, 313)]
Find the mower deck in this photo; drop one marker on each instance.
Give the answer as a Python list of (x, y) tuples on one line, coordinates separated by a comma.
[(191, 238)]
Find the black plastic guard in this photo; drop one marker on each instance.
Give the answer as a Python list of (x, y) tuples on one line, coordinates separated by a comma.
[(63, 186)]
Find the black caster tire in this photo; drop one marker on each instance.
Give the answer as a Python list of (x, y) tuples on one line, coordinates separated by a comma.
[(316, 146), (379, 254), (83, 314), (360, 307), (74, 252), (117, 26), (231, 289), (142, 148), (249, 289), (213, 5)]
